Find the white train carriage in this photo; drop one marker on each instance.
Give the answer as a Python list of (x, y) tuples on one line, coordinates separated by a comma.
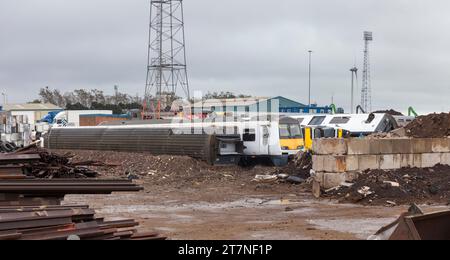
[(260, 138), (356, 124)]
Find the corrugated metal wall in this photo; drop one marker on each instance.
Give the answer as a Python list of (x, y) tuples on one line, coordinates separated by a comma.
[(154, 141)]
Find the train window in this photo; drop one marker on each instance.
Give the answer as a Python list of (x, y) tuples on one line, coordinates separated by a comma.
[(317, 120), (295, 131), (370, 118), (340, 120), (249, 135), (284, 131)]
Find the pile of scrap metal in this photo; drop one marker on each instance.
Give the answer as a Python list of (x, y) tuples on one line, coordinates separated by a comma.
[(417, 225), (7, 147), (39, 163), (31, 209)]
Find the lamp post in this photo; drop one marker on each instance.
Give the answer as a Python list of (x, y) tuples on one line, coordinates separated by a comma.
[(354, 71), (309, 92)]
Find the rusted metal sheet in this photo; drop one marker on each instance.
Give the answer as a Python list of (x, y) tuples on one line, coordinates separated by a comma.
[(18, 158), (61, 187), (11, 172), (416, 225)]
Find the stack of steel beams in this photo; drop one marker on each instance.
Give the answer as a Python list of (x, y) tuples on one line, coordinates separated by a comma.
[(63, 223), (61, 187)]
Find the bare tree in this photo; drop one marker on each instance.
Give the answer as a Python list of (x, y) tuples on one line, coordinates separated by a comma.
[(59, 98), (83, 97), (99, 96), (47, 95)]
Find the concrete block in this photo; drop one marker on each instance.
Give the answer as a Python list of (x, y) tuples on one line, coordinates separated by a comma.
[(330, 163), (331, 180), (421, 145), (341, 163), (430, 159), (317, 161), (402, 146), (445, 158), (330, 146), (352, 163), (417, 160), (397, 161), (368, 162), (385, 146), (358, 146), (318, 176), (374, 146), (440, 145), (407, 160), (389, 161)]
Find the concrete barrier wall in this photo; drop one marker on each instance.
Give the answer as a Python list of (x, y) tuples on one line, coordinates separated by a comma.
[(366, 146), (336, 160)]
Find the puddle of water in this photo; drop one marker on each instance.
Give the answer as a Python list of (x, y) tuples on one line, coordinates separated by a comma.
[(165, 229), (201, 206)]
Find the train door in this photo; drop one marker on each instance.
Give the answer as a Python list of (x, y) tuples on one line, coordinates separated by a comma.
[(251, 142), (264, 140)]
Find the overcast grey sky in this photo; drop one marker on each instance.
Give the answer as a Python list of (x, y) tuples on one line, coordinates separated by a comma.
[(256, 47)]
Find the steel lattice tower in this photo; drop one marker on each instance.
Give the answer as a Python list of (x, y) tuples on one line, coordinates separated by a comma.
[(166, 70), (366, 91)]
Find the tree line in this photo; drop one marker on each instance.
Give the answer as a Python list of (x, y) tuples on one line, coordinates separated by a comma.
[(82, 99)]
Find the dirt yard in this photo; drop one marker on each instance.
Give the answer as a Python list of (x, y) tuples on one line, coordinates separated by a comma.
[(187, 199)]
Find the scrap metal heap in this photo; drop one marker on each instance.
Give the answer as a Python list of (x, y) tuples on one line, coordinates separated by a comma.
[(30, 204)]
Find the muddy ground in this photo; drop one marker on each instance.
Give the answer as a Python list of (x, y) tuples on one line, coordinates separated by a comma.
[(187, 199)]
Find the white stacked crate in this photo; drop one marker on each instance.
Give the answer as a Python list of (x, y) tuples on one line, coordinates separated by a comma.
[(15, 129)]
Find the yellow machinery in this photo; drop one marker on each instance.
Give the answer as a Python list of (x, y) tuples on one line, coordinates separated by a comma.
[(312, 133), (291, 135)]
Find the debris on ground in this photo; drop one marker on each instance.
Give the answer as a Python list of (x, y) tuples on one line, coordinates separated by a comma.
[(397, 187), (265, 178), (300, 167), (430, 126)]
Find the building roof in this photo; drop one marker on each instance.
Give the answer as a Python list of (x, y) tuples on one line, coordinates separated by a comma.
[(230, 102), (31, 107)]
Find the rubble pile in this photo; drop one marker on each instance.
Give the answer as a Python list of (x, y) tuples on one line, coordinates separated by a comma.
[(391, 112), (397, 187), (430, 126), (298, 171), (300, 167)]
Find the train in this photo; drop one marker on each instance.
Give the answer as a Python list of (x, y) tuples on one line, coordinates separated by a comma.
[(276, 138)]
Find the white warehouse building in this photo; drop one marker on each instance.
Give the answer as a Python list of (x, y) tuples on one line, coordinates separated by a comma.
[(34, 112)]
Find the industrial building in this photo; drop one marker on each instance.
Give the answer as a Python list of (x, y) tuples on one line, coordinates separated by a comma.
[(258, 104), (34, 112)]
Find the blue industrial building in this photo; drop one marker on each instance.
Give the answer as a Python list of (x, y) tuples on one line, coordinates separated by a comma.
[(261, 104)]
